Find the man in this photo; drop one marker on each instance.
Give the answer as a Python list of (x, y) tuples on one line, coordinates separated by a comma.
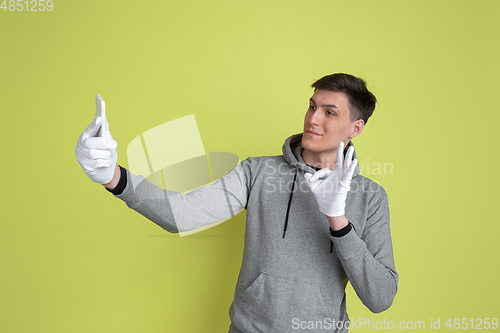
[(313, 222)]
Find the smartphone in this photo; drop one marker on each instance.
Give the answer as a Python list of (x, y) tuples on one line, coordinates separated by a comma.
[(100, 110)]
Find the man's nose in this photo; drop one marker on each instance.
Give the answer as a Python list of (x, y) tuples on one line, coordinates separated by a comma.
[(315, 117)]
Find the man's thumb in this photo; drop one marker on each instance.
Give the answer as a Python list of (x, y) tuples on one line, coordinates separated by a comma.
[(105, 128), (93, 128)]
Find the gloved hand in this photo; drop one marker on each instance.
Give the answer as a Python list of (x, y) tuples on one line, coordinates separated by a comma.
[(331, 192), (97, 155)]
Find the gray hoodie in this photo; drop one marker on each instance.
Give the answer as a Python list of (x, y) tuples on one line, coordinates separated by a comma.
[(294, 272)]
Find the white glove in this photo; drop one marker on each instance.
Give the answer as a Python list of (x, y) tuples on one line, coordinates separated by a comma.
[(331, 192), (97, 155)]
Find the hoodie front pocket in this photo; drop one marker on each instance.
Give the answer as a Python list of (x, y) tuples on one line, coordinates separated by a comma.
[(276, 304)]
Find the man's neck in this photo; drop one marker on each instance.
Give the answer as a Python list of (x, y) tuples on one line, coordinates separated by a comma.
[(320, 160)]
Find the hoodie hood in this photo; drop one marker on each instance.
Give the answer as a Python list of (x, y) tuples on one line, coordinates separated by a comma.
[(292, 150)]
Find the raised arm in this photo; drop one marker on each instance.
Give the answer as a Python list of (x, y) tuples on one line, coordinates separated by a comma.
[(178, 212), (173, 211)]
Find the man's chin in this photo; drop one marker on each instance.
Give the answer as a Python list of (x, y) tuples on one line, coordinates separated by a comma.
[(304, 143), (310, 147), (309, 144)]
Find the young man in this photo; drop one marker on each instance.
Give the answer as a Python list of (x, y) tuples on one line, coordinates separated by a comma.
[(313, 222)]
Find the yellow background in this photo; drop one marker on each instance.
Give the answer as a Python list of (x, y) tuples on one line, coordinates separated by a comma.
[(75, 259)]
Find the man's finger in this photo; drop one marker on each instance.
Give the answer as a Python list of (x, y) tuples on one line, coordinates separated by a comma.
[(340, 155), (93, 164), (312, 185), (346, 181), (351, 169), (99, 143), (348, 157), (319, 174), (105, 128), (94, 154), (307, 176)]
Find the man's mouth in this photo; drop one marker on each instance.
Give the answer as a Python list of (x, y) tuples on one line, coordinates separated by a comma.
[(313, 133)]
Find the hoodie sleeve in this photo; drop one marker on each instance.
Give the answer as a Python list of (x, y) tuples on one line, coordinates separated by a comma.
[(368, 261), (177, 212)]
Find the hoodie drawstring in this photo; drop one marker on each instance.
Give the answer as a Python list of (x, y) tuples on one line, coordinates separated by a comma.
[(289, 202), (288, 211)]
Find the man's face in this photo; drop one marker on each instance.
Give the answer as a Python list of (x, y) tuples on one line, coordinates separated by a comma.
[(327, 123)]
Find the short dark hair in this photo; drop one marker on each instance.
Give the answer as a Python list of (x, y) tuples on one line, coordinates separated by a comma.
[(361, 100)]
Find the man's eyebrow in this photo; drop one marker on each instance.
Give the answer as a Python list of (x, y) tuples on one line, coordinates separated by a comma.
[(326, 105)]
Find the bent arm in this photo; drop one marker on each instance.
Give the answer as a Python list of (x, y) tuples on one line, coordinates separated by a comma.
[(369, 261), (178, 212)]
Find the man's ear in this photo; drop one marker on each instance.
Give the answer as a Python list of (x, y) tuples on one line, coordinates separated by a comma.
[(357, 128)]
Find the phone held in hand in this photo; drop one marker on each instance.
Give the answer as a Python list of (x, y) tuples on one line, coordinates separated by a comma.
[(100, 110)]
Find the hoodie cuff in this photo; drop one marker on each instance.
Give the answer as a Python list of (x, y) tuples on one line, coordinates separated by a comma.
[(122, 183), (339, 233)]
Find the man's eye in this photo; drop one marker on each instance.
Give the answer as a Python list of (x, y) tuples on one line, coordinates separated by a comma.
[(312, 107), (330, 113)]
